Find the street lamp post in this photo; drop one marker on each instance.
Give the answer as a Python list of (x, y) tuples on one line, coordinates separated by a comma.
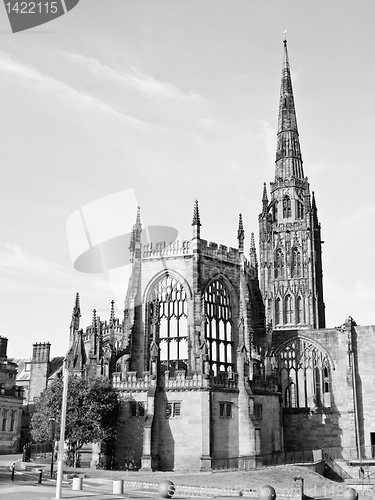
[(52, 433), (62, 432)]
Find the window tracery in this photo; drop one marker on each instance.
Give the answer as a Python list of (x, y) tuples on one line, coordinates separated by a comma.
[(305, 375), (279, 264), (278, 312), (219, 327), (296, 263), (289, 310), (168, 316), (300, 211), (287, 207), (300, 316)]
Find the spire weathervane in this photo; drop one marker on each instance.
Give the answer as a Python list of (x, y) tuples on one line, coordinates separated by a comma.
[(285, 36)]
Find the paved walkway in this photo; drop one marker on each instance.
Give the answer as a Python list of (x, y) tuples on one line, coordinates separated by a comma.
[(91, 490)]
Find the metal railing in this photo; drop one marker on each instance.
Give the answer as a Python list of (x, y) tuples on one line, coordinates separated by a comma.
[(32, 452), (271, 459), (332, 464)]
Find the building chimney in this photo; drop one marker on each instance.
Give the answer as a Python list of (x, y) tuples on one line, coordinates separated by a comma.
[(3, 348)]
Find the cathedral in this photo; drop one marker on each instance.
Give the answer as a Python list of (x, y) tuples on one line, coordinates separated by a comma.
[(223, 355)]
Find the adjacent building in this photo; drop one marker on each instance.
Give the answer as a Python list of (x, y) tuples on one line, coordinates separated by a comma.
[(11, 398)]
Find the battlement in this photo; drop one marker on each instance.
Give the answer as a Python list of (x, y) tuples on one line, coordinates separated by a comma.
[(130, 381), (215, 250), (180, 381), (166, 249)]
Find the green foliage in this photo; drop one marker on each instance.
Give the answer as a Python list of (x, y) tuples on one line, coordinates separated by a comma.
[(92, 413)]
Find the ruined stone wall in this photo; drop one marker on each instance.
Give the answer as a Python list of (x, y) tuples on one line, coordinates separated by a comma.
[(333, 423), (269, 418), (183, 438), (224, 429), (128, 445), (364, 347)]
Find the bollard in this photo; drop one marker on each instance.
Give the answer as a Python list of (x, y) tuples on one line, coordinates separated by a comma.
[(267, 493), (12, 469), (350, 494), (40, 472), (166, 489), (299, 483), (118, 487), (77, 483)]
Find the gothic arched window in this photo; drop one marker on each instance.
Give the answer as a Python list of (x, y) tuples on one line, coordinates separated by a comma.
[(287, 207), (304, 365), (168, 315), (300, 211), (290, 396), (274, 212), (296, 263), (219, 327), (300, 317), (278, 312), (279, 264), (289, 310)]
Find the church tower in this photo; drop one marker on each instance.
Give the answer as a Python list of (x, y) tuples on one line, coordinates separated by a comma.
[(290, 263)]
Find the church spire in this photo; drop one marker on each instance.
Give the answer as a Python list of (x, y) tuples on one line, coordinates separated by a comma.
[(288, 154)]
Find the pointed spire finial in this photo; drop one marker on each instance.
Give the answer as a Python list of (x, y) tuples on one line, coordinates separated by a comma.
[(240, 234), (76, 314), (138, 221), (77, 307), (196, 217), (285, 41), (313, 203), (196, 221), (265, 198), (112, 313), (94, 319), (253, 252)]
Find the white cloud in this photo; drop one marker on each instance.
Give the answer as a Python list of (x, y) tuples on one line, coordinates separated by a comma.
[(43, 82), (135, 78), (22, 272)]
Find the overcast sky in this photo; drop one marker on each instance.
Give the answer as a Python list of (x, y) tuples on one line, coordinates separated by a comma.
[(178, 100)]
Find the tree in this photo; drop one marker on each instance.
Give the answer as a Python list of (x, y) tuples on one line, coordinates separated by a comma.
[(91, 417)]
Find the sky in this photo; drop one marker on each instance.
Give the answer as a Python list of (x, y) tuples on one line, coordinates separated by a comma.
[(177, 100)]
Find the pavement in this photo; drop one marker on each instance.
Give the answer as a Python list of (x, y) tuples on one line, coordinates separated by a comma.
[(25, 486)]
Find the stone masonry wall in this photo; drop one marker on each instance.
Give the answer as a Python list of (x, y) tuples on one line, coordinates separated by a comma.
[(334, 424), (181, 437), (364, 341), (128, 446), (270, 423), (224, 430)]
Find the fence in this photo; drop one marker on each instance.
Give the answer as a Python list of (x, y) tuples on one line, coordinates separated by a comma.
[(33, 452), (276, 458)]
